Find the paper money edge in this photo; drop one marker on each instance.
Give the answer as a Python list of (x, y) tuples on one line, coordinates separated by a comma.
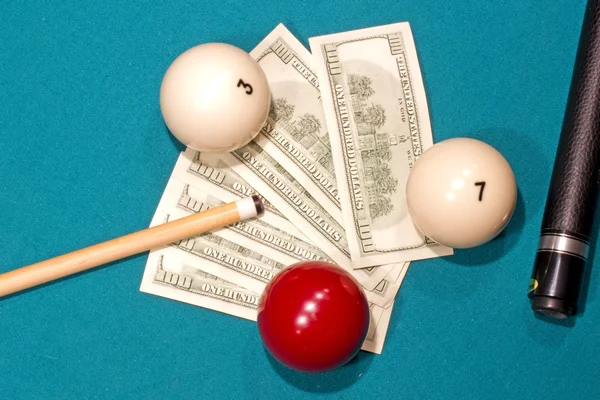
[(149, 287), (378, 342)]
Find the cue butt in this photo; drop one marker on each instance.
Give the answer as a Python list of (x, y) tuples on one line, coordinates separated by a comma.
[(128, 245), (562, 255)]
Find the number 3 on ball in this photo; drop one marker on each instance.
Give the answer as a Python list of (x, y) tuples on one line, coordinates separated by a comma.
[(246, 86), (482, 184)]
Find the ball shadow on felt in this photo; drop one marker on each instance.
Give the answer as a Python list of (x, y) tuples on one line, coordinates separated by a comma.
[(457, 277), (531, 167), (497, 247), (326, 382)]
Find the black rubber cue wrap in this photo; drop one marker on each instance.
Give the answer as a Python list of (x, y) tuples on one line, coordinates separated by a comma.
[(563, 249)]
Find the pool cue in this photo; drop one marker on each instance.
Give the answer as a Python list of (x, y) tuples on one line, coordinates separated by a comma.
[(128, 245), (564, 244)]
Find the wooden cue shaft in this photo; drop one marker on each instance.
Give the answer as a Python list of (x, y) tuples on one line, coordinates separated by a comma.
[(125, 246)]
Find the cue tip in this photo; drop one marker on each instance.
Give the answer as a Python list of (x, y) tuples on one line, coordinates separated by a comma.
[(258, 203)]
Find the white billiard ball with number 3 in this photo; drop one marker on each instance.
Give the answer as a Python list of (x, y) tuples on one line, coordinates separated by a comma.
[(214, 98), (461, 193)]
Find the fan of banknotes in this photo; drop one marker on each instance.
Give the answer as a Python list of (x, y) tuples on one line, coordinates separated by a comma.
[(346, 124)]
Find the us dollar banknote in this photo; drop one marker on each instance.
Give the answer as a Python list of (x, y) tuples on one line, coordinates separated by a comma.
[(210, 173), (226, 185), (241, 262), (169, 275), (182, 199), (248, 253), (290, 161), (295, 134), (378, 124), (226, 259)]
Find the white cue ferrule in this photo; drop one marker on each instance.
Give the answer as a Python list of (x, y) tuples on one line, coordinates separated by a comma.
[(249, 207)]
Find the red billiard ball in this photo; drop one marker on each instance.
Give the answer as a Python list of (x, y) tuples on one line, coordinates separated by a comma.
[(313, 317)]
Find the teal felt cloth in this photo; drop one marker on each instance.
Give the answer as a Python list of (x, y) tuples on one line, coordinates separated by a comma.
[(85, 156)]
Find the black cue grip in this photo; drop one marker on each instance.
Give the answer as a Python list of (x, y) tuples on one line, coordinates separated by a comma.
[(570, 206)]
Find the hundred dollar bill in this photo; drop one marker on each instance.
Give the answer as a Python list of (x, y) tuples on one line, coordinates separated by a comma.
[(208, 172), (245, 255), (226, 259), (245, 267), (274, 182), (166, 275), (295, 134), (227, 186), (169, 276), (378, 123), (248, 253), (181, 199)]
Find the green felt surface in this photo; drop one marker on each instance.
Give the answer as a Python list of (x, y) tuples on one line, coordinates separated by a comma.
[(85, 155)]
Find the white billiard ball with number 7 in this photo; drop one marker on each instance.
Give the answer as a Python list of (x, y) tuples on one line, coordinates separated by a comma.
[(214, 97), (461, 193)]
